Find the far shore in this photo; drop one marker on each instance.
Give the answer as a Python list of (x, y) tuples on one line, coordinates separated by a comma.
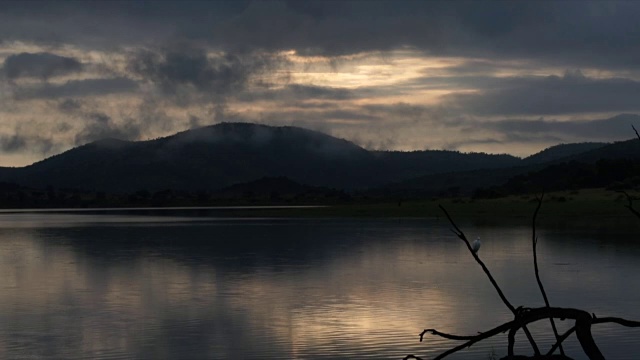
[(557, 206)]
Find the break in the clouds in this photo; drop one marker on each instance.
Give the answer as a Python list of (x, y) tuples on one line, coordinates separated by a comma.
[(495, 76)]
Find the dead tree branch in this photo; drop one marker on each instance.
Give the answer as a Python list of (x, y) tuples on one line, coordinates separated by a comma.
[(534, 240), (630, 203), (524, 316), (445, 335), (462, 237), (582, 328)]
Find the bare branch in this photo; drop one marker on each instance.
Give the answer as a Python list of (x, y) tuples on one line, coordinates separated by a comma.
[(534, 241), (630, 203), (411, 357), (562, 338), (462, 237), (474, 339), (445, 335), (634, 129), (475, 256), (617, 320)]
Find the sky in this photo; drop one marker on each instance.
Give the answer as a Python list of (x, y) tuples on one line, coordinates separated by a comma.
[(486, 76)]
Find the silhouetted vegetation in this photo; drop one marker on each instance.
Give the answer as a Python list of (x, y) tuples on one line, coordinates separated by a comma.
[(524, 315), (265, 191)]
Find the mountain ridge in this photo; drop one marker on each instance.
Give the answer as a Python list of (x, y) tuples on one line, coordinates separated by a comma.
[(218, 156)]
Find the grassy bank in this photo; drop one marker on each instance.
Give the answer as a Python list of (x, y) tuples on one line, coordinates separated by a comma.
[(565, 204)]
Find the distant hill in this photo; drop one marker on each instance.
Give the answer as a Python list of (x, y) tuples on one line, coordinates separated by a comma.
[(218, 156), (561, 151), (406, 165), (599, 166), (614, 165), (243, 159)]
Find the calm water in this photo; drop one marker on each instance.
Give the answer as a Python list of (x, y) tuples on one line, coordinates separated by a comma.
[(190, 285)]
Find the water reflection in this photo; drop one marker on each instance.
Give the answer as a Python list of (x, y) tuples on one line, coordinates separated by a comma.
[(176, 286)]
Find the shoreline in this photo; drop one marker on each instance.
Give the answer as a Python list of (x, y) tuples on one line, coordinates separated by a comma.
[(566, 204)]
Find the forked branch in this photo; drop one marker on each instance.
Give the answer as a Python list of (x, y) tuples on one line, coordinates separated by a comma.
[(523, 316), (582, 328)]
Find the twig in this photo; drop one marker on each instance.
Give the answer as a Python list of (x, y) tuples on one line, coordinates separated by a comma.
[(411, 357), (630, 203), (462, 237), (634, 129), (562, 338), (534, 240), (474, 339), (445, 335)]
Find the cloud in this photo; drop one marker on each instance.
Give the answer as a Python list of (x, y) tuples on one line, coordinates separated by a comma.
[(16, 143), (610, 129), (569, 33), (69, 105), (571, 93), (99, 126), (39, 65), (76, 88), (219, 74)]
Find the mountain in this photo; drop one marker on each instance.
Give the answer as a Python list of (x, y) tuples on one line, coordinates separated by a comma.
[(406, 165), (205, 158), (217, 156), (561, 151), (614, 165), (565, 168)]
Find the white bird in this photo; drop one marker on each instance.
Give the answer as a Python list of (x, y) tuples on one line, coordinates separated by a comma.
[(476, 245)]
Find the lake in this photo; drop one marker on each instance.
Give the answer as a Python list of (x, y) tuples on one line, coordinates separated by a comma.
[(192, 284)]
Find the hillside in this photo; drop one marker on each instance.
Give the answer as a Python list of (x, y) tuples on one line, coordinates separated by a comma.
[(220, 156), (599, 166), (561, 151), (213, 157)]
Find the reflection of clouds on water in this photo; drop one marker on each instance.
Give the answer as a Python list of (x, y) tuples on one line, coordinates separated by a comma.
[(303, 289)]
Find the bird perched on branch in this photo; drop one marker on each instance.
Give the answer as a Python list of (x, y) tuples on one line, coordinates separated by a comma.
[(475, 246)]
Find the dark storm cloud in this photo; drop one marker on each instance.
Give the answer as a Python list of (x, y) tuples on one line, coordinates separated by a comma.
[(76, 88), (187, 66), (570, 33), (17, 143), (571, 93), (69, 105), (39, 65), (99, 126), (615, 128)]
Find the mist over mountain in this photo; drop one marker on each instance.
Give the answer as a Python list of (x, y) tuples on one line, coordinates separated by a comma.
[(220, 156), (217, 156)]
